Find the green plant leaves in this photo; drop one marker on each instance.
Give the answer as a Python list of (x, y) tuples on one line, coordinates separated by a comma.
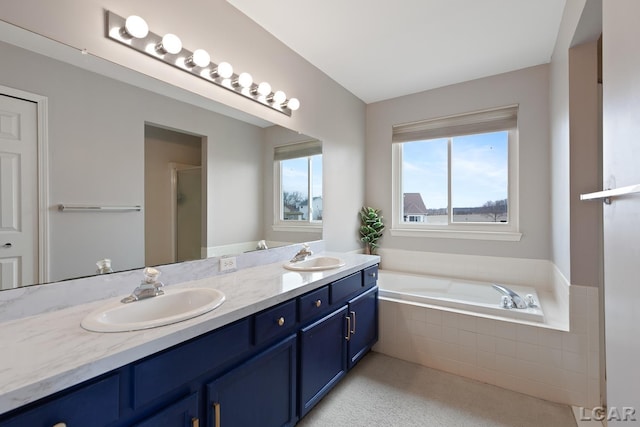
[(371, 227)]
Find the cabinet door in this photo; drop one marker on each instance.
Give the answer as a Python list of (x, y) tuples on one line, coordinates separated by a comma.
[(363, 311), (323, 357), (183, 413), (260, 392)]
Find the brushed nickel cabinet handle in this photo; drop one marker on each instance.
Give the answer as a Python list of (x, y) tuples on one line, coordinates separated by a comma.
[(281, 321), (348, 337), (60, 425), (353, 323), (318, 303), (195, 422)]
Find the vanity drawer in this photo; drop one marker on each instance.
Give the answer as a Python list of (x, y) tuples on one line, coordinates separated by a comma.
[(94, 405), (370, 276), (161, 374), (343, 288), (313, 304), (274, 321)]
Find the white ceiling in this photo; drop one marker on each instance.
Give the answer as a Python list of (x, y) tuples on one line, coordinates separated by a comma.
[(381, 49)]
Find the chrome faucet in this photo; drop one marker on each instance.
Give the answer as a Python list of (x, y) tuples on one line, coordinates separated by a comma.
[(302, 254), (514, 298), (149, 287)]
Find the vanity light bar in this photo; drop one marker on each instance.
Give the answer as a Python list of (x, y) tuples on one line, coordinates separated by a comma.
[(134, 32)]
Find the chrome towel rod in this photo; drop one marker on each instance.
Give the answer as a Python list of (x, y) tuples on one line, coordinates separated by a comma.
[(606, 195), (90, 208)]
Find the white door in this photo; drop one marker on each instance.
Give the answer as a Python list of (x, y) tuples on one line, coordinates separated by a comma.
[(621, 219), (18, 193)]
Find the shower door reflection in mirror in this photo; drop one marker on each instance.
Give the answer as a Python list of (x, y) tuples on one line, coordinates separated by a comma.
[(188, 202)]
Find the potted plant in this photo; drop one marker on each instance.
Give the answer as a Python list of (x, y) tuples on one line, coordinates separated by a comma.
[(371, 229)]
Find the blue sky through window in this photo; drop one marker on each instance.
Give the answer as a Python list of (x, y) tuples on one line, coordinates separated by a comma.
[(295, 173), (479, 169)]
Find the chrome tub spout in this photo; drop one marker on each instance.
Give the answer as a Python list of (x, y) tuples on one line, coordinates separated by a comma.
[(518, 302)]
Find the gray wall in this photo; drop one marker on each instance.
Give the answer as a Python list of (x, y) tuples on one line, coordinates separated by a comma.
[(529, 89), (575, 149), (585, 118), (328, 112)]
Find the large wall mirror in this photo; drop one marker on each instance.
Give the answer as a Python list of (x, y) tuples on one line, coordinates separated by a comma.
[(202, 174)]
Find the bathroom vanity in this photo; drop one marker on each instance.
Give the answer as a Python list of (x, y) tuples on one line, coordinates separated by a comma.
[(265, 357)]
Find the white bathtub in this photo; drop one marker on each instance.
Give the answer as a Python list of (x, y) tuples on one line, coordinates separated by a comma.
[(466, 295)]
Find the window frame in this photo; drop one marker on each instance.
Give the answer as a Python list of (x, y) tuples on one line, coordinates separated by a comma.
[(509, 231), (279, 223)]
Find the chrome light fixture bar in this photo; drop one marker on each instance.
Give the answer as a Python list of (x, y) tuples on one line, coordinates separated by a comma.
[(134, 32)]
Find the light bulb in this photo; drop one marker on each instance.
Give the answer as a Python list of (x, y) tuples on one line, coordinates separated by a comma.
[(279, 97), (264, 89), (293, 104), (244, 80), (170, 44), (136, 27), (224, 70), (200, 58)]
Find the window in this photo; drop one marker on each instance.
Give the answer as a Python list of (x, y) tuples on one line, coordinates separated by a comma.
[(457, 176), (298, 182)]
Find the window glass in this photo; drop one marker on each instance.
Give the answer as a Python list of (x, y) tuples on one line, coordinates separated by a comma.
[(316, 187), (479, 177), (424, 181), (477, 168), (295, 188), (298, 177)]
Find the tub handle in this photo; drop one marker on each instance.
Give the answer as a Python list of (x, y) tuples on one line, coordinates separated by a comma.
[(353, 322)]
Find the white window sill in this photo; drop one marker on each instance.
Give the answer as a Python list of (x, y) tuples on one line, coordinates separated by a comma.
[(298, 228), (509, 236)]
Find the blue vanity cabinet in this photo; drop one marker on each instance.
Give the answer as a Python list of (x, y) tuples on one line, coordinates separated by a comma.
[(267, 369), (183, 413), (260, 392), (333, 344)]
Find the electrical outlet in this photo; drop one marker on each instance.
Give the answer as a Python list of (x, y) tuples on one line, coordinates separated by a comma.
[(228, 263)]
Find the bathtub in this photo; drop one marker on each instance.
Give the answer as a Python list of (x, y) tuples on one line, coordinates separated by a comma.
[(458, 294)]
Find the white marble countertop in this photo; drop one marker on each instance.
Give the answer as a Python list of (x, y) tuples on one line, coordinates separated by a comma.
[(49, 352)]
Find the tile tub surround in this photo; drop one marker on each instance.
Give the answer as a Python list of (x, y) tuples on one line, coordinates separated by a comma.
[(48, 352), (560, 365)]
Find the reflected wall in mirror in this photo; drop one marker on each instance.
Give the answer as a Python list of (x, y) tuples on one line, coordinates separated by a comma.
[(109, 143)]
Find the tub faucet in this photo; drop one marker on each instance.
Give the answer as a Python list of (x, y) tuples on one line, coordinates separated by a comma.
[(302, 254), (515, 298), (149, 287)]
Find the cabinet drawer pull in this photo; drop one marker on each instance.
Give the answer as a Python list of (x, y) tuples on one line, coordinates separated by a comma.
[(281, 321), (318, 303), (372, 274), (8, 245), (348, 337), (353, 322), (195, 422), (60, 425), (216, 414)]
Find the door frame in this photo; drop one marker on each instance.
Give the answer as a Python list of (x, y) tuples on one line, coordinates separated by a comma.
[(42, 141)]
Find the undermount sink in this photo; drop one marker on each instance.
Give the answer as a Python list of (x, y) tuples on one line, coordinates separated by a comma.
[(171, 307), (315, 264)]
